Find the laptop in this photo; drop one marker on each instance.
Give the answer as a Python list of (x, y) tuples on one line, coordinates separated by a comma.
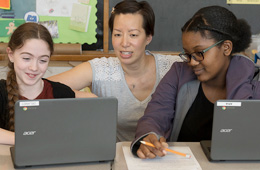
[(61, 131), (235, 131)]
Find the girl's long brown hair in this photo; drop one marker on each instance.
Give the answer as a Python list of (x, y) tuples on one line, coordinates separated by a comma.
[(20, 35)]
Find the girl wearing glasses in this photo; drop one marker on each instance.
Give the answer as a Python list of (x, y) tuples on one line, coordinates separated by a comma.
[(181, 108)]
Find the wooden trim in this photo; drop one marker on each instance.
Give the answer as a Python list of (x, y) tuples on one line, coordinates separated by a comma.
[(3, 57), (89, 55), (105, 27)]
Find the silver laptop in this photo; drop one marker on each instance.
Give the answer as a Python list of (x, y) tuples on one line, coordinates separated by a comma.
[(60, 131), (235, 132)]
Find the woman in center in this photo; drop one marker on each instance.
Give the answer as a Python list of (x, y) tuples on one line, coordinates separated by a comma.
[(133, 74)]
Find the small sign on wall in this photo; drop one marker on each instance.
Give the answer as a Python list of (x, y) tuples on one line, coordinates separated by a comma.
[(243, 2)]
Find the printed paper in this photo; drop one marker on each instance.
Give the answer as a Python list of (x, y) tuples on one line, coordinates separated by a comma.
[(168, 162), (243, 1), (52, 26), (84, 1), (80, 17), (60, 8), (7, 27)]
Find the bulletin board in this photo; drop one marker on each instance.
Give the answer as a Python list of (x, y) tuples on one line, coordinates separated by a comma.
[(90, 40)]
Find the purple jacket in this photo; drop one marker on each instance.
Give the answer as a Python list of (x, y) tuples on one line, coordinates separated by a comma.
[(177, 90)]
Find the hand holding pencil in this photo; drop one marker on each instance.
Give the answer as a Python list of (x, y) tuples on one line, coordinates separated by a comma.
[(145, 151), (151, 147), (168, 150)]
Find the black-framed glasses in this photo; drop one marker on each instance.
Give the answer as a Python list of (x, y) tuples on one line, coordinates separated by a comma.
[(197, 56)]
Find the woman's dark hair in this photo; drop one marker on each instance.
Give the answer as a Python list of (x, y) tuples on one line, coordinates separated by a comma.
[(220, 24), (132, 7), (20, 35)]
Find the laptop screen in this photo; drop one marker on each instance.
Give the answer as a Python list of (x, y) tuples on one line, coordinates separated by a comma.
[(235, 132), (56, 131)]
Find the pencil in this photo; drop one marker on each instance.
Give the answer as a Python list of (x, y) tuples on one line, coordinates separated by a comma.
[(169, 150)]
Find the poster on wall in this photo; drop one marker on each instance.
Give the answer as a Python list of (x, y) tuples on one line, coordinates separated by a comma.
[(5, 4), (59, 8), (8, 26), (58, 12)]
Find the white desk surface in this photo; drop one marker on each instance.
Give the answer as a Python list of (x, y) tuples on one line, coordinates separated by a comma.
[(7, 164), (120, 164)]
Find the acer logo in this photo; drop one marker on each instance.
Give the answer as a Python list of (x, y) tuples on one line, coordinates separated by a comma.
[(26, 133), (225, 130)]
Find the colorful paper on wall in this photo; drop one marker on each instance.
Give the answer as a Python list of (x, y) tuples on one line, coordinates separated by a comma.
[(243, 2), (7, 27), (5, 4), (20, 8), (80, 17), (59, 8), (7, 14), (52, 26), (31, 17), (66, 35)]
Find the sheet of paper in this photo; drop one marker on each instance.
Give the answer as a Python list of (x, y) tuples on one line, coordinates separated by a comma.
[(5, 4), (7, 26), (52, 26), (243, 1), (61, 8), (169, 162), (84, 1), (80, 17)]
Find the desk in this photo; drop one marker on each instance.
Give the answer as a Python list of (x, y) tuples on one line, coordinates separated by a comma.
[(120, 164), (7, 164)]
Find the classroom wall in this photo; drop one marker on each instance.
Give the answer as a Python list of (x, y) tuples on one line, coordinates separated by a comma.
[(171, 15), (54, 68)]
